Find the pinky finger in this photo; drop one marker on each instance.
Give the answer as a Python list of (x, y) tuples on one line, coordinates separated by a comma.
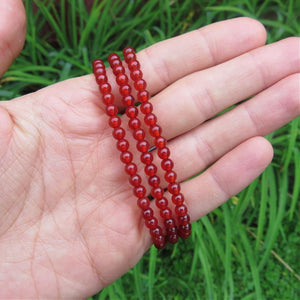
[(228, 176)]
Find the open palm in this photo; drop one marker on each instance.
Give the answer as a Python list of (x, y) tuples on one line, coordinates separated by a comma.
[(69, 223)]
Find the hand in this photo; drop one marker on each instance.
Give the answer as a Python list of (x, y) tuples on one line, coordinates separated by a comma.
[(69, 222)]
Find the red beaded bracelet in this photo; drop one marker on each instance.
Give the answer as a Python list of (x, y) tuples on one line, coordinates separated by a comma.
[(172, 231)]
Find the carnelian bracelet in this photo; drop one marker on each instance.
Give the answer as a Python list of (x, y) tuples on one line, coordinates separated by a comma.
[(173, 231)]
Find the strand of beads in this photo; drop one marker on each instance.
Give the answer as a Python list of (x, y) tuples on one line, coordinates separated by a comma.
[(122, 144), (184, 228), (142, 145)]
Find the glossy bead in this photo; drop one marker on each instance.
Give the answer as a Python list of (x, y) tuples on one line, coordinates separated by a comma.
[(121, 79), (163, 153), (146, 107), (125, 90), (105, 88), (174, 188), (150, 119), (172, 230), (150, 170), (114, 121), (160, 246), (115, 63), (139, 134), (160, 142), (131, 112), (118, 70), (108, 99), (167, 164), (111, 110), (126, 157), (178, 199), (100, 71), (159, 242), (147, 158), (129, 57), (112, 57), (128, 50), (122, 145), (97, 63), (161, 203), (142, 146), (100, 79), (169, 223), (183, 220), (135, 180), (134, 123), (166, 213), (151, 223), (155, 130), (143, 96), (131, 168), (184, 234), (128, 100), (173, 238), (154, 181), (139, 191), (157, 193), (170, 176), (133, 65), (118, 133), (186, 227), (147, 213), (136, 75), (140, 85), (156, 231), (181, 210), (143, 203)]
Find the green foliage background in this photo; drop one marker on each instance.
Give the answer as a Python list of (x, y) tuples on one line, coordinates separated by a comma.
[(242, 250)]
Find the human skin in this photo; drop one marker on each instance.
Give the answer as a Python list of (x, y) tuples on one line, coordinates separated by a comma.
[(69, 223)]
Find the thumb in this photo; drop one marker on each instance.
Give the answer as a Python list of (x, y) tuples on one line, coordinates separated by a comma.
[(12, 32)]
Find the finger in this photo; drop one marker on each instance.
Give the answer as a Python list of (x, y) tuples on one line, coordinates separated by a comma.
[(227, 177), (266, 112), (203, 94), (12, 32), (167, 61)]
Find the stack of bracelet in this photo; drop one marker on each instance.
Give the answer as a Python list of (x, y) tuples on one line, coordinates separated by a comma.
[(173, 231)]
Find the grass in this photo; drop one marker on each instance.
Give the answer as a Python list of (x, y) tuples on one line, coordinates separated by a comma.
[(249, 247)]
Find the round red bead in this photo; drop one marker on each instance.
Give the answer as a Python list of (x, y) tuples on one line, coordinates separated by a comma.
[(134, 123), (142, 146), (139, 134), (157, 193), (133, 65), (163, 153), (147, 158), (118, 133), (135, 180), (173, 238), (178, 199), (129, 57), (126, 157), (100, 79), (146, 107), (108, 99), (140, 191), (143, 96), (114, 121), (122, 145), (156, 231), (131, 168), (167, 164), (105, 88), (111, 110), (115, 63), (181, 210), (121, 79), (125, 90), (186, 227), (143, 203), (169, 223), (97, 62), (166, 213), (150, 119), (150, 170), (160, 142), (100, 71), (154, 181), (128, 100), (174, 188), (161, 203), (128, 50), (147, 213), (136, 75), (112, 57), (118, 70), (140, 85), (131, 112), (155, 130), (152, 223), (170, 176), (183, 220)]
